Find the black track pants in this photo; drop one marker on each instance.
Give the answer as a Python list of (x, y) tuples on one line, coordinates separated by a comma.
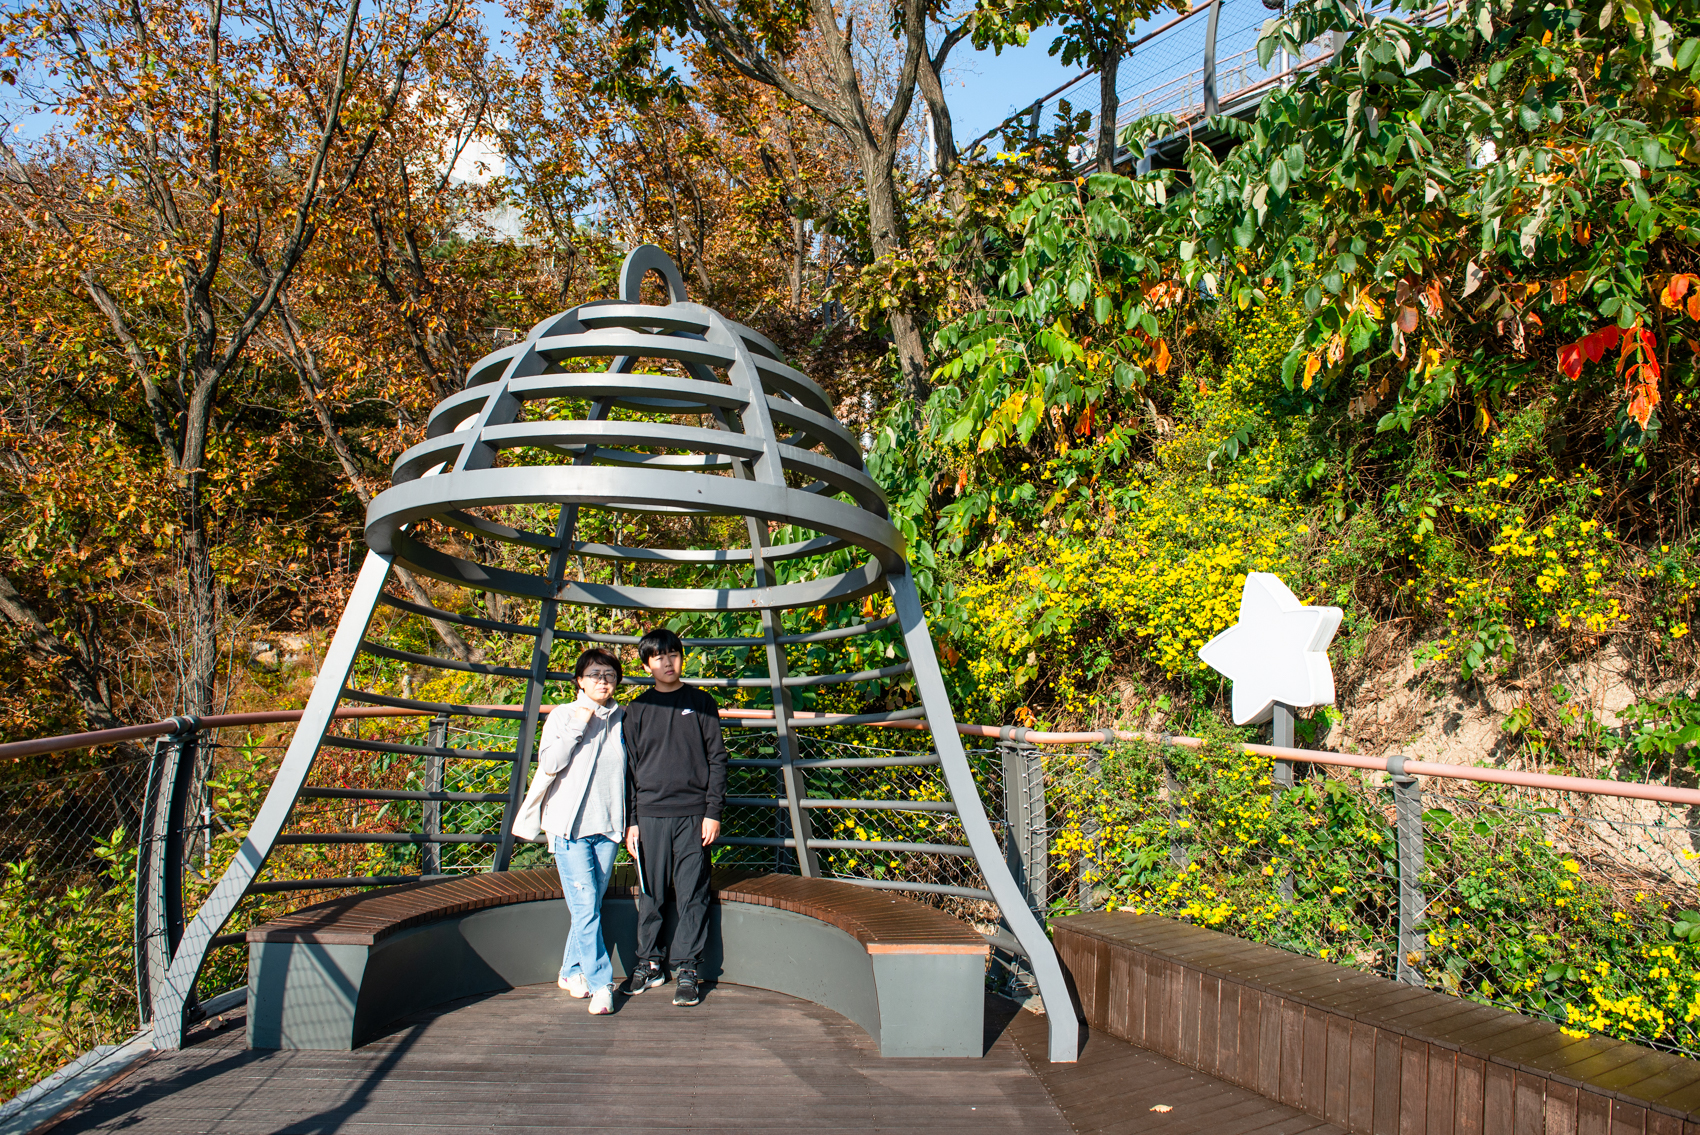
[(675, 863)]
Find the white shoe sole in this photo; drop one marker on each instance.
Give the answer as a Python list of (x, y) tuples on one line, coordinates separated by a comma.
[(561, 983)]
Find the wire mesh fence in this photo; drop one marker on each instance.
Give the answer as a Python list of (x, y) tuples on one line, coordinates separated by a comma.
[(1164, 74), (67, 913), (1580, 909), (1570, 907)]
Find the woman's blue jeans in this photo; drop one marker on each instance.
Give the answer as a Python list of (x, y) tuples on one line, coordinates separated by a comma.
[(584, 865)]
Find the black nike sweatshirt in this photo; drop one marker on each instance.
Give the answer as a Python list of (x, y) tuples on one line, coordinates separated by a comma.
[(675, 757)]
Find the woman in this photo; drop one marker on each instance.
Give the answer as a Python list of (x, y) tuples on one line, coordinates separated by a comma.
[(579, 799)]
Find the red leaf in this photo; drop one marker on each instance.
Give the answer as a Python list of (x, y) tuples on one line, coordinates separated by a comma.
[(1596, 343), (1570, 360)]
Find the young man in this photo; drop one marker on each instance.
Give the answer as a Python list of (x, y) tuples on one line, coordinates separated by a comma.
[(676, 786)]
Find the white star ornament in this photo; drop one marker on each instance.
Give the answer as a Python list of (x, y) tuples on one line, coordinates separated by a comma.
[(1277, 652)]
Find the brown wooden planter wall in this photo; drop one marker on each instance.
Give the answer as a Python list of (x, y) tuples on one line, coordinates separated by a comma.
[(1369, 1054)]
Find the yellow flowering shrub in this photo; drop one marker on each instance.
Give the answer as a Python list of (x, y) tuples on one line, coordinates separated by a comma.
[(1511, 919), (1164, 580), (1508, 552)]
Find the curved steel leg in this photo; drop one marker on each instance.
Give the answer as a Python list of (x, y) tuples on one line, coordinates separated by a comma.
[(1053, 987), (171, 996)]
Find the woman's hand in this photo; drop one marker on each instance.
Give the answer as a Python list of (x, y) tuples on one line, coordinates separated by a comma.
[(580, 714)]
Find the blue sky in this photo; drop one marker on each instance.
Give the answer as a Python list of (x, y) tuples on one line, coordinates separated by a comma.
[(985, 89)]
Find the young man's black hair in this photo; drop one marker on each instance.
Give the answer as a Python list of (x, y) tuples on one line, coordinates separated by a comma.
[(659, 641), (675, 788)]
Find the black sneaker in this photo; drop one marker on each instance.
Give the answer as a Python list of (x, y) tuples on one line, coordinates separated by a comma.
[(645, 975), (686, 991)]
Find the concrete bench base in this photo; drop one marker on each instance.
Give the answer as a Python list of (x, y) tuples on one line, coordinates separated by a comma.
[(912, 998)]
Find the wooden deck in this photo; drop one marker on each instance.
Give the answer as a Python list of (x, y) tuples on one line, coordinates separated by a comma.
[(745, 1060)]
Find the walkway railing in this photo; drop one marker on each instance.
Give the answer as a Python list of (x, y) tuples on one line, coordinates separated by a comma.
[(1200, 63), (1245, 837)]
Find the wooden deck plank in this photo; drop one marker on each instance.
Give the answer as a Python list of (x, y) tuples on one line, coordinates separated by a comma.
[(533, 1059), (1115, 1085)]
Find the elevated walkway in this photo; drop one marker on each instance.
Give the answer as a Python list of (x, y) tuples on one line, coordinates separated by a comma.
[(745, 1060)]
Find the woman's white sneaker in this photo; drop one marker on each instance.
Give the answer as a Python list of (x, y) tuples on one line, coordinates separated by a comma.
[(602, 1001), (576, 986)]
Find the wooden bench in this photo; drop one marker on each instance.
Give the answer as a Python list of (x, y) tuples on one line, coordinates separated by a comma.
[(337, 974), (1369, 1054)]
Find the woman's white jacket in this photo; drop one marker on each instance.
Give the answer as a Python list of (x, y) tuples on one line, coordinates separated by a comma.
[(567, 759)]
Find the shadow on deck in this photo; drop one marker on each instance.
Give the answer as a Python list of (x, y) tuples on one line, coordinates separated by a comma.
[(744, 1060)]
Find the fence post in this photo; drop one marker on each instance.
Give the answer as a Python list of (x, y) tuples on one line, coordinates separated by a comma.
[(159, 862), (1178, 853), (1408, 829), (431, 854), (1026, 842), (1281, 779)]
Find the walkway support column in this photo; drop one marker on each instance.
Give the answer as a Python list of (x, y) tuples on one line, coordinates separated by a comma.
[(1211, 104), (173, 995), (1047, 971)]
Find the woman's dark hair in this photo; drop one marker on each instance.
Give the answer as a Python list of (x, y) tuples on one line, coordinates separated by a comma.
[(659, 641), (593, 656)]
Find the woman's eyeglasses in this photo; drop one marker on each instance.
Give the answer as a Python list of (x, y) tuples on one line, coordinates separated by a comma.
[(604, 677)]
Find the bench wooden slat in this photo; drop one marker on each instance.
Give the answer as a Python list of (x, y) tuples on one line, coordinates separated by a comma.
[(882, 922)]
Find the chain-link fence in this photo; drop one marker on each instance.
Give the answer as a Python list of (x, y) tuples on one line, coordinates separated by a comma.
[(1573, 907), (67, 915), (1163, 73)]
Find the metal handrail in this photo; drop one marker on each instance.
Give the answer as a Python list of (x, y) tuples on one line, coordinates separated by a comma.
[(1083, 76), (68, 741), (1396, 765)]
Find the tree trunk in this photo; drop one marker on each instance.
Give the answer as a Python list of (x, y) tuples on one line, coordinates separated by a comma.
[(200, 661), (799, 255), (53, 652), (886, 235), (946, 161), (1109, 105)]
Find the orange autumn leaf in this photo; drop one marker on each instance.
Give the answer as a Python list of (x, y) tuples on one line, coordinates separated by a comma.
[(1675, 288), (1160, 357), (1436, 297), (1084, 425), (1312, 365)]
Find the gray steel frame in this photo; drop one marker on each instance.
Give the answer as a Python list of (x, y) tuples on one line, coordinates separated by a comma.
[(745, 467)]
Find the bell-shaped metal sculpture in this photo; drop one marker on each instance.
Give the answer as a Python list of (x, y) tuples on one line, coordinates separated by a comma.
[(723, 427)]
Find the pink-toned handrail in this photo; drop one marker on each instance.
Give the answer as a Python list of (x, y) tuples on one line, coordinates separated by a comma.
[(1659, 793), (68, 741)]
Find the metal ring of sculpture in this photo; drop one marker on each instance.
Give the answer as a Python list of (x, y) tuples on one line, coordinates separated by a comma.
[(776, 455)]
